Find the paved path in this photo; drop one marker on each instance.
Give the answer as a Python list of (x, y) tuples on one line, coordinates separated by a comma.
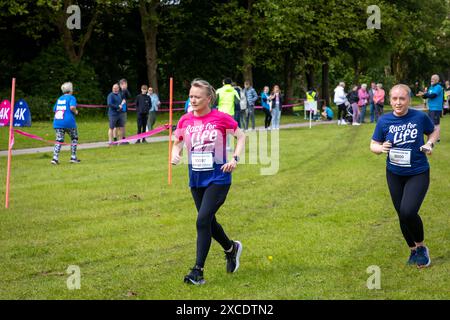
[(94, 145)]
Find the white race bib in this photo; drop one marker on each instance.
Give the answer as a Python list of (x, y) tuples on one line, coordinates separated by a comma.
[(400, 157), (59, 115), (202, 161)]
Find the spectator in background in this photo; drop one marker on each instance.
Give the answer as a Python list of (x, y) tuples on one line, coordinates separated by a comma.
[(378, 99), (373, 88), (143, 104), (154, 108), (447, 97), (435, 97), (187, 105), (327, 112), (227, 97), (340, 99), (237, 105), (363, 96), (311, 96), (124, 95), (266, 107), (251, 96), (276, 99), (353, 98), (116, 117), (64, 122)]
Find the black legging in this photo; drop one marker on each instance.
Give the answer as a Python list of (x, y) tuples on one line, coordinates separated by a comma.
[(407, 193), (208, 200), (268, 118), (342, 111)]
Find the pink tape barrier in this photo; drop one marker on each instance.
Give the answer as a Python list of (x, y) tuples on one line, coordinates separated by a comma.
[(131, 138), (144, 135)]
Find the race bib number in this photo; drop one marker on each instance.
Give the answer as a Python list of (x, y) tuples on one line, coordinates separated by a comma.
[(400, 157), (59, 115), (202, 161)]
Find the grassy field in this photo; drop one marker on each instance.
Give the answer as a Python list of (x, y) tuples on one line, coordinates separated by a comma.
[(324, 218)]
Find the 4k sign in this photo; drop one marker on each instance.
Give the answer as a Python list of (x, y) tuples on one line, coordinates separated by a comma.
[(5, 109), (22, 115)]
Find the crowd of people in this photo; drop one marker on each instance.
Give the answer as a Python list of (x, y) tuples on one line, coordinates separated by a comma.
[(352, 106)]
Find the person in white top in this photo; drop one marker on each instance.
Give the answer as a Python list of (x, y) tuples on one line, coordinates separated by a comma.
[(340, 99)]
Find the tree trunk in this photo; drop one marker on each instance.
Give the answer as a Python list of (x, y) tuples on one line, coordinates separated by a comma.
[(326, 82), (149, 27), (357, 71), (289, 77), (247, 59), (310, 76)]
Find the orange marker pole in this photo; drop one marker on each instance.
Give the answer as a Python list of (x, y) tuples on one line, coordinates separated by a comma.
[(10, 142), (169, 175)]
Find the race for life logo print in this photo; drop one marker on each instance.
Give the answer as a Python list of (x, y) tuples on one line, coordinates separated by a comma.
[(403, 134)]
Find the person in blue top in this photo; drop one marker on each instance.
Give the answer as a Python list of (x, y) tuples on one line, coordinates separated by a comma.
[(327, 112), (435, 96), (116, 117), (266, 107), (400, 135), (64, 122)]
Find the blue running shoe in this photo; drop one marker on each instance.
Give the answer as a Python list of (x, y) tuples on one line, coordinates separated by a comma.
[(423, 257), (412, 258)]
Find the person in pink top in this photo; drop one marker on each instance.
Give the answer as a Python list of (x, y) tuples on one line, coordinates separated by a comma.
[(204, 131), (363, 96), (378, 100)]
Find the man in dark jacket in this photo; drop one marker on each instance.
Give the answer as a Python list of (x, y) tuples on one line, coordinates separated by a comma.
[(143, 105)]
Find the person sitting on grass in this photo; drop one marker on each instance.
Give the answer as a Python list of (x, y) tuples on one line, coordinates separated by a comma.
[(327, 113)]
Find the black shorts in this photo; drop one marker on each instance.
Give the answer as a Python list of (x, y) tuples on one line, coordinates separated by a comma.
[(117, 120), (435, 116)]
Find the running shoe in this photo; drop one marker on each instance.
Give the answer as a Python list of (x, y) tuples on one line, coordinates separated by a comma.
[(54, 161), (75, 160), (412, 258), (195, 277), (233, 257), (423, 257)]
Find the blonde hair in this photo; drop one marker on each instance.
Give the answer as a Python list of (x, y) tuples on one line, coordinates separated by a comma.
[(67, 87), (210, 91), (403, 87)]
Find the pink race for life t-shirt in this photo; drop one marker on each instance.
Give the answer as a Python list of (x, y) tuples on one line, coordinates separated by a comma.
[(205, 139)]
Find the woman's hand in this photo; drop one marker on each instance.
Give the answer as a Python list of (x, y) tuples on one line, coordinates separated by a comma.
[(427, 148), (229, 166), (386, 146), (176, 158)]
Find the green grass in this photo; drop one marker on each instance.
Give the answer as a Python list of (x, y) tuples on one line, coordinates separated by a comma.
[(324, 218)]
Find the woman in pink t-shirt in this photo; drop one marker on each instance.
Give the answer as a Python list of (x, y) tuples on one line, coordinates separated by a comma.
[(204, 132)]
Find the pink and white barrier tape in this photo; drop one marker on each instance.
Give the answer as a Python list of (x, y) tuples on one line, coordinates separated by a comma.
[(131, 138)]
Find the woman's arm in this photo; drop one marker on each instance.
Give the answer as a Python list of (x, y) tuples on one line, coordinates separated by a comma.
[(432, 138), (240, 146), (379, 148), (177, 149)]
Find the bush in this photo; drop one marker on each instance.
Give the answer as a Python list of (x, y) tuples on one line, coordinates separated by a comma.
[(43, 77)]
